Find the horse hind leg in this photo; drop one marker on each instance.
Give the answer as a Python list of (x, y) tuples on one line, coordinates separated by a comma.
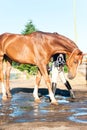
[(8, 69), (35, 92), (4, 95)]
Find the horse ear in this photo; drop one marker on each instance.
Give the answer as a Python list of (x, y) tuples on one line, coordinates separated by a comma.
[(80, 53)]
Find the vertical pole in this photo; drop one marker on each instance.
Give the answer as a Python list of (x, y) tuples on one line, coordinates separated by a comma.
[(74, 15)]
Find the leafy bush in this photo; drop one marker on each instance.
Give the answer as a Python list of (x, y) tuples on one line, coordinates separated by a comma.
[(65, 69)]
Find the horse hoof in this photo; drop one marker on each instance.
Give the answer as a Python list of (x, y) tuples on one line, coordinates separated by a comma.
[(72, 94), (38, 100), (54, 103), (73, 97), (4, 98)]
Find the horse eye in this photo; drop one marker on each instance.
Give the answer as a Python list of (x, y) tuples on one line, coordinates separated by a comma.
[(75, 61)]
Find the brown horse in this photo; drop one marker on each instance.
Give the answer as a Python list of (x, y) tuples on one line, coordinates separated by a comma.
[(37, 49)]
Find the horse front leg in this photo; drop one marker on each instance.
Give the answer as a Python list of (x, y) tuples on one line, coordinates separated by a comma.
[(35, 92), (4, 96), (44, 72), (8, 69)]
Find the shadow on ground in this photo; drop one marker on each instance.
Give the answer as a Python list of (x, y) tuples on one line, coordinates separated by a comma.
[(41, 91)]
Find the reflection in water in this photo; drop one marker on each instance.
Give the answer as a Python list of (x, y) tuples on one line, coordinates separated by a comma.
[(62, 99), (80, 115), (22, 108)]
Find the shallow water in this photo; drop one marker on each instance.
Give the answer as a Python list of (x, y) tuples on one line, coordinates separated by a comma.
[(22, 108)]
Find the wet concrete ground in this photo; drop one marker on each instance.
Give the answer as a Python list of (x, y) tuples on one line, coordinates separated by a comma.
[(22, 108)]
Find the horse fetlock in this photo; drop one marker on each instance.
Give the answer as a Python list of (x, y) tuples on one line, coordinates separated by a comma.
[(35, 95), (53, 100), (9, 95), (36, 98), (51, 95)]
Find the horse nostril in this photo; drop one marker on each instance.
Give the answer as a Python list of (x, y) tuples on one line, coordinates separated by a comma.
[(70, 76)]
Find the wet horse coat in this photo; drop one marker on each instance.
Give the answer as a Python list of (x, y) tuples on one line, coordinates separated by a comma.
[(37, 49)]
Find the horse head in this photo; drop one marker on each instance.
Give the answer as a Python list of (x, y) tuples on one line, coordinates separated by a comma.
[(73, 62)]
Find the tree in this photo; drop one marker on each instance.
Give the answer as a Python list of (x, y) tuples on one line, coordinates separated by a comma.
[(29, 28), (31, 69)]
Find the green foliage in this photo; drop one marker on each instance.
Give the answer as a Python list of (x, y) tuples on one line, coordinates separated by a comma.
[(29, 28), (31, 69), (65, 69)]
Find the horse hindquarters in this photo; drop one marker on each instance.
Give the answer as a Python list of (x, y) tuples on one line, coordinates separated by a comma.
[(6, 74)]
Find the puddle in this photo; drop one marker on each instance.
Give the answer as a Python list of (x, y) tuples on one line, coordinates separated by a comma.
[(80, 115), (22, 108)]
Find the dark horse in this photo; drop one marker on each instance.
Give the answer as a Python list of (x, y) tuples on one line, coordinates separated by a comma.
[(37, 49)]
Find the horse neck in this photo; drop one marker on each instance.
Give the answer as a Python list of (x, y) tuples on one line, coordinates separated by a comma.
[(64, 49), (64, 45)]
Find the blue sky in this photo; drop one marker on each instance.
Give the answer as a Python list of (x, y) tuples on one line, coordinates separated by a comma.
[(46, 15)]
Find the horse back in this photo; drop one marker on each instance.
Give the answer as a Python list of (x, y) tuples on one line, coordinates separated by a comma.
[(24, 48)]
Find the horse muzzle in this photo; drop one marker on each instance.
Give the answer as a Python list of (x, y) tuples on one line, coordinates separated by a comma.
[(70, 76)]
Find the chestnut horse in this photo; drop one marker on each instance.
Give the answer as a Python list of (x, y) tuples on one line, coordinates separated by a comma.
[(37, 49)]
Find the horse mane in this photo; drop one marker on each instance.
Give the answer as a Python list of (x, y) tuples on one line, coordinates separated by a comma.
[(70, 44), (57, 38)]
